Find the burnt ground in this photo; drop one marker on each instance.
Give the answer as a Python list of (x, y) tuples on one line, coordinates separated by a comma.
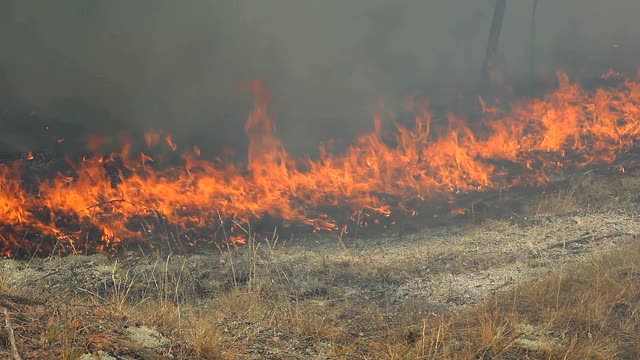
[(315, 296)]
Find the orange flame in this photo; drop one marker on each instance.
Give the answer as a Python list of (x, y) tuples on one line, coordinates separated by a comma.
[(170, 142)]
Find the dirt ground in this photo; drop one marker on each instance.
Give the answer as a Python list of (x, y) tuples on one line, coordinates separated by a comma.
[(377, 280)]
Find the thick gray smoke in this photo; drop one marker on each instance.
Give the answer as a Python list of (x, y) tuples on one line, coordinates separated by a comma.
[(127, 66)]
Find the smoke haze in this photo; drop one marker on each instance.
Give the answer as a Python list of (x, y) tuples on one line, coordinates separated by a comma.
[(128, 66)]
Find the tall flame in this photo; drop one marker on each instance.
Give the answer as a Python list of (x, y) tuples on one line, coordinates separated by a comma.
[(125, 197)]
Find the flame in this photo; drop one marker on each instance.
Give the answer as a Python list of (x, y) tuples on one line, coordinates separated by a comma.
[(108, 202), (170, 142)]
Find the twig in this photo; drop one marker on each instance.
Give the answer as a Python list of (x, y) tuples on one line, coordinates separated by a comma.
[(12, 339), (589, 238), (108, 202)]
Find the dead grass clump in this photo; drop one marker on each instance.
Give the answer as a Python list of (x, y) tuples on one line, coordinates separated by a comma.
[(627, 189), (205, 337), (65, 332), (560, 201), (5, 284)]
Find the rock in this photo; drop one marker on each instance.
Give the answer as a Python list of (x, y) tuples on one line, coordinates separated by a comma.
[(149, 338)]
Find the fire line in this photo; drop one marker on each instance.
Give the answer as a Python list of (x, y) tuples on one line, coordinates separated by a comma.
[(97, 208)]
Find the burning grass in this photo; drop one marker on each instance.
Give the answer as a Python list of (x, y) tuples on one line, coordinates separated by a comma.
[(105, 203), (544, 281)]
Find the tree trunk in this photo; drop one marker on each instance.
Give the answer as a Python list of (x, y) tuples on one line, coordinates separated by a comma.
[(492, 47), (532, 48)]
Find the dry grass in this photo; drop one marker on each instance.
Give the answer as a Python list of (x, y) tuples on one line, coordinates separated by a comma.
[(584, 311), (587, 309), (560, 201)]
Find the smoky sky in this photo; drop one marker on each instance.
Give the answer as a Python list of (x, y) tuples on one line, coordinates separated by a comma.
[(127, 66)]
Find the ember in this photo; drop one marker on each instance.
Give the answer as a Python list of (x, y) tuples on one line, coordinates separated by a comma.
[(110, 202)]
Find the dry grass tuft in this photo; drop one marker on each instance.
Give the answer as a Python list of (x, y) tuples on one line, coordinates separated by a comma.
[(560, 201)]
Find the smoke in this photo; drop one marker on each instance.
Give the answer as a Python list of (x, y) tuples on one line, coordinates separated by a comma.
[(120, 66)]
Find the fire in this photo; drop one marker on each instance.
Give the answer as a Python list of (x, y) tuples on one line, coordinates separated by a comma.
[(109, 202)]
